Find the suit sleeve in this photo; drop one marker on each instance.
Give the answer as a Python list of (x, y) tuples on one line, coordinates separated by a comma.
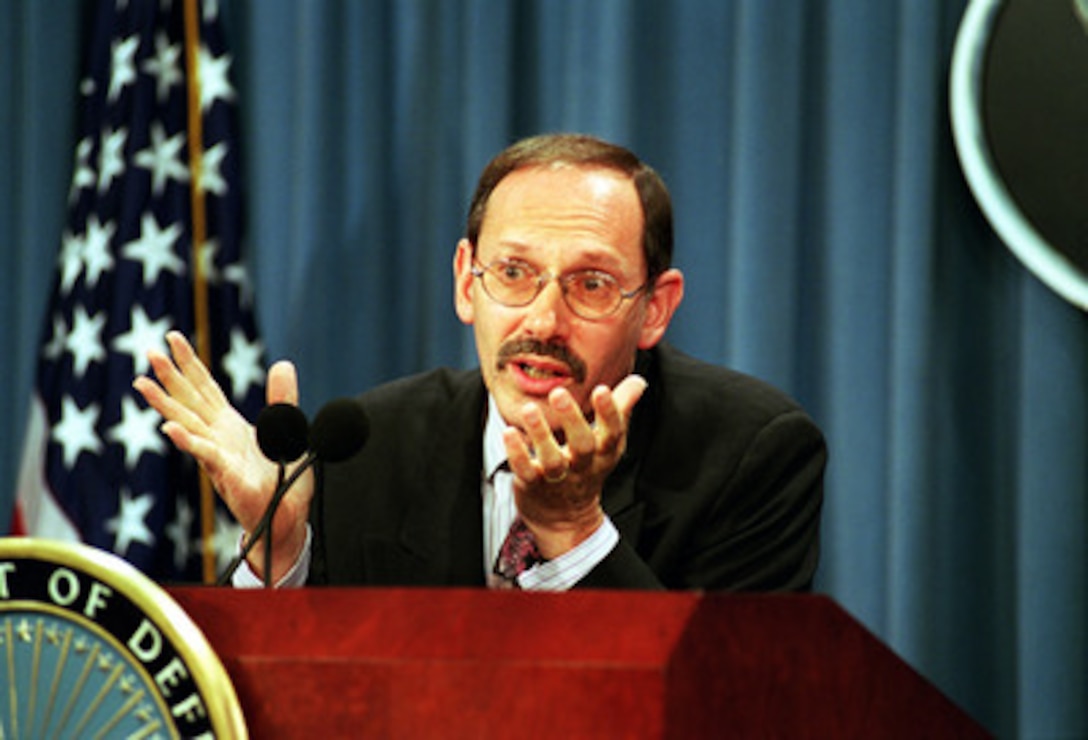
[(763, 532), (623, 568), (755, 528)]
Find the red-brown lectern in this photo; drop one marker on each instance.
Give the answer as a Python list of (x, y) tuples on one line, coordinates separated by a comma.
[(453, 663)]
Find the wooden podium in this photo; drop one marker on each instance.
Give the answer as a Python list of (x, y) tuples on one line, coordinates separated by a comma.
[(453, 663)]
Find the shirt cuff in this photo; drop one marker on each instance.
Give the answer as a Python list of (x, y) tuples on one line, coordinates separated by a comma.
[(244, 577), (562, 573)]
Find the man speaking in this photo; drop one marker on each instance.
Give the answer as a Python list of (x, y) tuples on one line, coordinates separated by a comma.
[(583, 452)]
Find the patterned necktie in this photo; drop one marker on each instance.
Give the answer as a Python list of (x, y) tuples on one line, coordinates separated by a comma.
[(517, 554)]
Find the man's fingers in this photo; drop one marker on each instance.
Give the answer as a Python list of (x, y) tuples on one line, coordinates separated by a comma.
[(537, 453), (548, 452), (167, 406), (628, 393), (612, 409), (517, 454), (576, 429), (173, 385), (282, 383), (194, 371), (205, 453)]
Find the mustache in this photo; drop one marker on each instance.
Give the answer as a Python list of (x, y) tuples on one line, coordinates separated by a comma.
[(555, 350)]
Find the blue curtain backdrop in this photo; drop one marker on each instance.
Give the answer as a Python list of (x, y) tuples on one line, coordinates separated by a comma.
[(829, 240)]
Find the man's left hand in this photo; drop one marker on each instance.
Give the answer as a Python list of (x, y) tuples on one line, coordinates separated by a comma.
[(558, 485)]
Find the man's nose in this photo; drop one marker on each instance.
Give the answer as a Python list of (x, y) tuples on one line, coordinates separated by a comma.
[(548, 314)]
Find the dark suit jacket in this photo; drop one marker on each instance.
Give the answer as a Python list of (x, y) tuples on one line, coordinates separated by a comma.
[(720, 488)]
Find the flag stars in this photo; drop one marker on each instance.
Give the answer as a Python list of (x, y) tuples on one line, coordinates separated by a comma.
[(206, 261), (236, 274), (243, 364), (163, 158), (143, 334), (95, 253), (137, 432), (71, 260), (83, 175), (214, 78), (211, 10), (85, 340), (228, 533), (57, 342), (75, 431), (155, 249), (123, 67), (130, 524), (164, 66), (88, 252), (111, 159), (211, 178), (179, 533)]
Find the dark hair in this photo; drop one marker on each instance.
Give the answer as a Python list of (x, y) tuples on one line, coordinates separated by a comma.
[(583, 150)]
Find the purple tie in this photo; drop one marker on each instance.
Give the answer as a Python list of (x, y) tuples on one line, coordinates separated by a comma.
[(517, 554)]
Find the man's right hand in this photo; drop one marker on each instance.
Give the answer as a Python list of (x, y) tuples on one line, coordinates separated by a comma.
[(200, 420)]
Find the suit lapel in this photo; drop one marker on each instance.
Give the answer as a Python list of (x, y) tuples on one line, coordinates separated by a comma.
[(444, 528), (620, 498)]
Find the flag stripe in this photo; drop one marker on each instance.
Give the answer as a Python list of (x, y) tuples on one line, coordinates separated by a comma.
[(37, 510)]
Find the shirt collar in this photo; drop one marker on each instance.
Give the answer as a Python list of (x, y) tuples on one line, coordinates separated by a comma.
[(494, 449)]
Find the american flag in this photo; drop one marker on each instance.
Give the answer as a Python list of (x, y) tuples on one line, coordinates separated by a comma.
[(95, 466)]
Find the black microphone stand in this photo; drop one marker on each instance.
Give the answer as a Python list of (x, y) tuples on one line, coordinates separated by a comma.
[(266, 519), (273, 505)]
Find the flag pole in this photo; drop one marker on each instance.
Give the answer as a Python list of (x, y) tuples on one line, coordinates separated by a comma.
[(200, 285)]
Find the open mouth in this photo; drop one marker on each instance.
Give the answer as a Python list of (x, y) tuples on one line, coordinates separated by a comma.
[(541, 361), (535, 377), (541, 372)]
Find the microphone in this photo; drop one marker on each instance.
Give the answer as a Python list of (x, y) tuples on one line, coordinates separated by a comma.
[(340, 429), (282, 430)]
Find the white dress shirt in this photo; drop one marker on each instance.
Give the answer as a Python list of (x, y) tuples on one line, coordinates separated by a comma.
[(500, 511)]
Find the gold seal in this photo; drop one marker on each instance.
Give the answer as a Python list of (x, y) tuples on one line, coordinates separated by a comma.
[(91, 647)]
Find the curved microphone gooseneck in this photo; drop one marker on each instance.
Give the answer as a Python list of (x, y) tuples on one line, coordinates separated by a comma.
[(340, 429)]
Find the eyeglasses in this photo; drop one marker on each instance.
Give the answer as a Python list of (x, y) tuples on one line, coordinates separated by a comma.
[(591, 294)]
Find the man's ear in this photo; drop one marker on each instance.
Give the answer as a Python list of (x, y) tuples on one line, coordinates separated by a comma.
[(462, 281), (662, 304)]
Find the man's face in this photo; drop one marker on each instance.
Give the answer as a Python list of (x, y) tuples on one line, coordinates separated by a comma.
[(557, 220)]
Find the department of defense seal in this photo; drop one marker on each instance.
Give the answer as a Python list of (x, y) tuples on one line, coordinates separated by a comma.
[(90, 647)]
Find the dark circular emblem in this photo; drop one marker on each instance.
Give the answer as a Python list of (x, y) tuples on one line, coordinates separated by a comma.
[(90, 647), (1019, 104)]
